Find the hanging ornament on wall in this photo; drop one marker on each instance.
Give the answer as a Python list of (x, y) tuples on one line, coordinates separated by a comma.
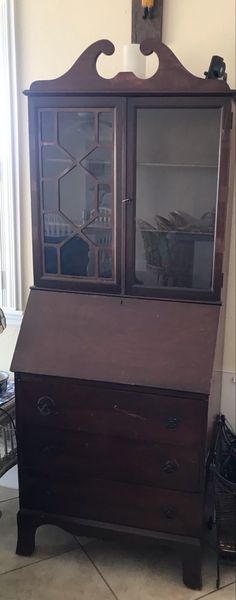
[(146, 20), (148, 8)]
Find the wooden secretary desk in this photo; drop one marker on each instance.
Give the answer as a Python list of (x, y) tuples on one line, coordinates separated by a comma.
[(116, 392)]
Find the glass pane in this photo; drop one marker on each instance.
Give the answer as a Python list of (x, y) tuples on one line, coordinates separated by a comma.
[(50, 195), (77, 132), (56, 228), (77, 196), (99, 232), (78, 258), (176, 193), (55, 161), (48, 125), (98, 163), (105, 264), (178, 136), (105, 197), (77, 191), (105, 127), (50, 256)]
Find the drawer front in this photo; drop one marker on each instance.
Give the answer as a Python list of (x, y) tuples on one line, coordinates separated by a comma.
[(91, 409), (162, 465), (114, 502)]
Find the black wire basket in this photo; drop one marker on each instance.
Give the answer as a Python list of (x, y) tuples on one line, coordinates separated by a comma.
[(8, 448), (224, 476)]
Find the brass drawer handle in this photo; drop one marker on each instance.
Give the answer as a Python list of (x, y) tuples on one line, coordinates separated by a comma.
[(169, 512), (46, 406), (170, 466), (173, 422)]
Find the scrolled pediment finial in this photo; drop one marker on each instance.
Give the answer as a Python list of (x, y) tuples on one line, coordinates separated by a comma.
[(171, 76)]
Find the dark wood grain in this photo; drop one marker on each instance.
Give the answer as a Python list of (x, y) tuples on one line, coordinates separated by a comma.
[(77, 454), (192, 566), (116, 502), (97, 410), (171, 76), (143, 29), (223, 195), (127, 414), (27, 525), (115, 395), (167, 345)]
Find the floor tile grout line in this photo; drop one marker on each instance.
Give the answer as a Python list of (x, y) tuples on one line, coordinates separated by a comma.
[(215, 591), (97, 569), (36, 562), (95, 566), (8, 499), (102, 576)]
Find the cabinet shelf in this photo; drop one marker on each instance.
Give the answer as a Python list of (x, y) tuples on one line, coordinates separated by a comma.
[(175, 165), (182, 235)]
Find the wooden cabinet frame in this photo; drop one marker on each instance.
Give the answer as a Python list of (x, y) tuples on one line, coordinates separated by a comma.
[(172, 86), (59, 104), (103, 367), (224, 105)]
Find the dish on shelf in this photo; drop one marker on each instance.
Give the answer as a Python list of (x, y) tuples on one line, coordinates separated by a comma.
[(179, 221), (3, 381)]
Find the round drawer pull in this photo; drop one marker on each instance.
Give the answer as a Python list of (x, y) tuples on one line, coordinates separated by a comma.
[(173, 422), (169, 512), (170, 466), (46, 406)]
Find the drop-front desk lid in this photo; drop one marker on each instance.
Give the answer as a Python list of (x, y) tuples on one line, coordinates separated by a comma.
[(126, 341)]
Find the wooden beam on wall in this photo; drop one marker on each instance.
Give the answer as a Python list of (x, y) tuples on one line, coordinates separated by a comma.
[(143, 29)]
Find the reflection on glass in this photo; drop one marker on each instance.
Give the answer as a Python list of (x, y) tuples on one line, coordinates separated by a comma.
[(54, 161), (77, 132), (98, 163), (178, 136), (50, 195), (105, 264), (176, 193), (105, 127), (56, 228), (77, 196), (48, 125), (50, 257), (77, 258), (104, 196), (99, 232)]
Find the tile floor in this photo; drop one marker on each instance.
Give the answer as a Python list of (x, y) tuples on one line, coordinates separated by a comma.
[(64, 567)]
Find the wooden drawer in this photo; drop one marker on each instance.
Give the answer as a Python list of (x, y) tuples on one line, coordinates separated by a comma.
[(79, 454), (114, 502), (108, 411)]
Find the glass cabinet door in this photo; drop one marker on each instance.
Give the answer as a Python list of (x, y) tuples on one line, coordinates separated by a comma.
[(175, 192), (78, 195)]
